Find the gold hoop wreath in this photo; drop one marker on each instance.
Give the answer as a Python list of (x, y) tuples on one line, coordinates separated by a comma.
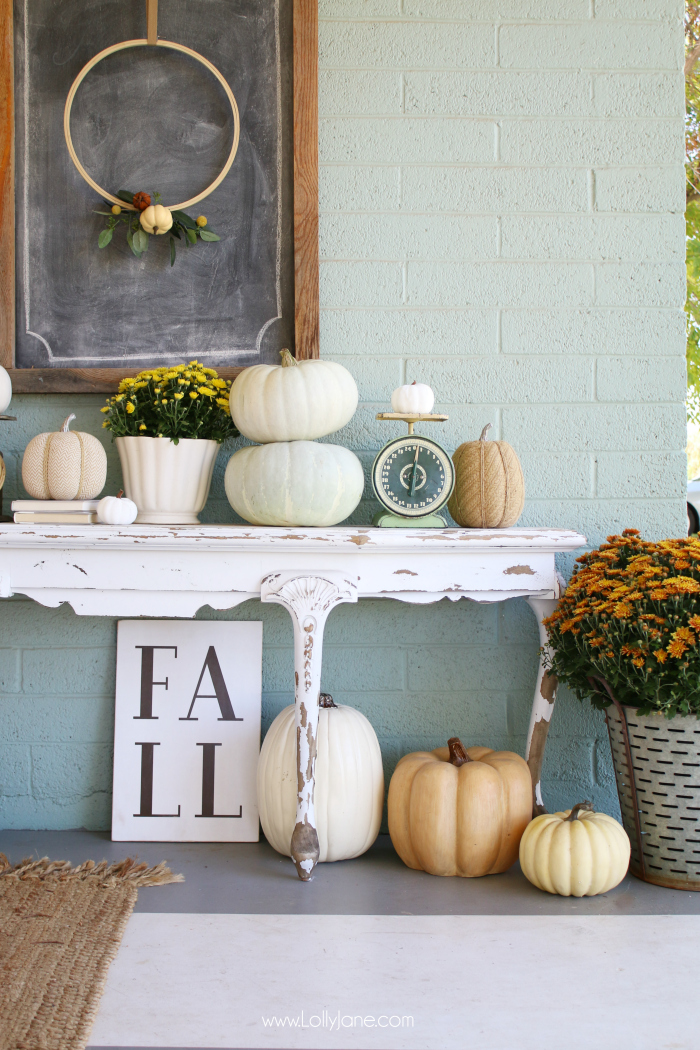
[(153, 41)]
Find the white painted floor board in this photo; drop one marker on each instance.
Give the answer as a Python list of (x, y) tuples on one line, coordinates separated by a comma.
[(483, 982)]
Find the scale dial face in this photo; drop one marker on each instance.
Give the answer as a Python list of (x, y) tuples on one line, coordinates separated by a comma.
[(413, 476)]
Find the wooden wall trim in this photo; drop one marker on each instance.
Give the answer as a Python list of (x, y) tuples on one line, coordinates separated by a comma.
[(7, 186), (306, 290)]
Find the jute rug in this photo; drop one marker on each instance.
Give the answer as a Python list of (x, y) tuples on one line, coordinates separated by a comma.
[(60, 928)]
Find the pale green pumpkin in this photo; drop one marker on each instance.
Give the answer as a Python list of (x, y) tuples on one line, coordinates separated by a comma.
[(294, 483)]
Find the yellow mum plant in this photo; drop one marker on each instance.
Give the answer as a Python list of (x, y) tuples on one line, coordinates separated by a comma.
[(153, 404), (631, 615)]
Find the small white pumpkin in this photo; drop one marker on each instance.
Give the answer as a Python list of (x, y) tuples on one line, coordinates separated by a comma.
[(5, 390), (349, 782), (413, 399), (294, 401), (156, 219), (577, 853), (116, 510), (64, 465), (294, 483)]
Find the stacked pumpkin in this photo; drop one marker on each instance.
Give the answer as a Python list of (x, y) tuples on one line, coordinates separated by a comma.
[(288, 478)]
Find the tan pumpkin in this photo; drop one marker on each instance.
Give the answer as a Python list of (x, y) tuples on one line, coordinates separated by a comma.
[(489, 490), (577, 853), (459, 811), (64, 465)]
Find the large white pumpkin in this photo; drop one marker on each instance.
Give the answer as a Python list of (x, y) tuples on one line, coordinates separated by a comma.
[(294, 401), (5, 390), (294, 483), (64, 465), (349, 783)]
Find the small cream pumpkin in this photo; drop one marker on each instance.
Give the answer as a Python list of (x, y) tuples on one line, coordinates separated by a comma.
[(577, 853), (294, 483), (64, 465), (349, 782), (459, 811), (5, 390), (116, 510), (156, 219), (413, 399), (294, 401)]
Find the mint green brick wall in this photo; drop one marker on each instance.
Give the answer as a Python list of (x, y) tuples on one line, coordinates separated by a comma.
[(502, 203)]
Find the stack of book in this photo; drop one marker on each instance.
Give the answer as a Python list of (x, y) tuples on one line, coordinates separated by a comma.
[(55, 511)]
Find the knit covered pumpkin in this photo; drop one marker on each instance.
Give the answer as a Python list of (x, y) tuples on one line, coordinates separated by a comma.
[(489, 490), (64, 465)]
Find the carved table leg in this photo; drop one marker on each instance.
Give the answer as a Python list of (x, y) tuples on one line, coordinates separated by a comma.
[(308, 599), (542, 706)]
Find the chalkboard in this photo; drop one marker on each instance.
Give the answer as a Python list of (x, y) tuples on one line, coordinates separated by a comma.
[(155, 120)]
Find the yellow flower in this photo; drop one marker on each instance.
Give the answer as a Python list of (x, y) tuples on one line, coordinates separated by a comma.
[(143, 427), (164, 401), (219, 383), (193, 394), (201, 220), (209, 371), (179, 396), (183, 382), (130, 407), (106, 423), (222, 402), (119, 397), (105, 409), (171, 375), (660, 655), (200, 377), (205, 390)]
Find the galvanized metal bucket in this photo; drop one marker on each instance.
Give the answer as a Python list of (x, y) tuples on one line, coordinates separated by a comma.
[(660, 803)]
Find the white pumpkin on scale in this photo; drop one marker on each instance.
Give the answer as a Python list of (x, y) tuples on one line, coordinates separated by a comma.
[(413, 399)]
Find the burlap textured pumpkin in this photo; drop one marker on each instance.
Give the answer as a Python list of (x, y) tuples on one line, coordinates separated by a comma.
[(489, 490), (64, 465)]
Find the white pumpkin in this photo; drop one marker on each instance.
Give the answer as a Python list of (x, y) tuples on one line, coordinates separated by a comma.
[(156, 219), (349, 783), (577, 853), (64, 465), (5, 390), (116, 510), (294, 401), (294, 483), (413, 399)]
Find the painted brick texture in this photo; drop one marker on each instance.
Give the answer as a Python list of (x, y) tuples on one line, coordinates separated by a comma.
[(501, 200)]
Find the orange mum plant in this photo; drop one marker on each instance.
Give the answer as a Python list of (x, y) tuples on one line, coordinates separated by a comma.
[(631, 615)]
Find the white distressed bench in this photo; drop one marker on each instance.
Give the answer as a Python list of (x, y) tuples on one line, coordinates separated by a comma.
[(137, 570)]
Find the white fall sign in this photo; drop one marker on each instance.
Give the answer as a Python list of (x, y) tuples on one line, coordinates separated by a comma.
[(187, 731)]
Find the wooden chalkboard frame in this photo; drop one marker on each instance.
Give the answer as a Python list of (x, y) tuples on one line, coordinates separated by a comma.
[(306, 291)]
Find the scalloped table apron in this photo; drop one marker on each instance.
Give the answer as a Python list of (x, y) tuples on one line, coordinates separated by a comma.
[(104, 570)]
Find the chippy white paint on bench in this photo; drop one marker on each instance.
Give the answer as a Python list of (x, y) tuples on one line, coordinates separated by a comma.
[(137, 570)]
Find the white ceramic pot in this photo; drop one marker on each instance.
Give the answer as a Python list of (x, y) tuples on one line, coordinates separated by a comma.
[(168, 483)]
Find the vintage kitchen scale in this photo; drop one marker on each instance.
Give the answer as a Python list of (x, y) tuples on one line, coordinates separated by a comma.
[(412, 477)]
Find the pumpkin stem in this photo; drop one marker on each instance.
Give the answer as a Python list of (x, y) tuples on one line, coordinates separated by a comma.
[(484, 432), (413, 383), (120, 493), (581, 807), (67, 422), (287, 360), (458, 752), (326, 700)]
